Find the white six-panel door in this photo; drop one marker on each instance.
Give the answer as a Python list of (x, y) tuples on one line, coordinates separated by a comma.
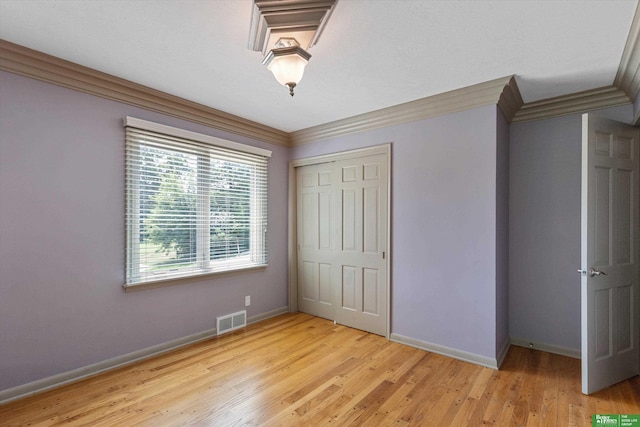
[(610, 253), (317, 242), (342, 241), (361, 191)]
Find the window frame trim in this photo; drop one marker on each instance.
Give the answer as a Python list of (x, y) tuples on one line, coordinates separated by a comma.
[(192, 278), (195, 136), (133, 194)]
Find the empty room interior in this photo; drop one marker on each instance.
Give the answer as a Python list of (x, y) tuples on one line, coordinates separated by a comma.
[(309, 212)]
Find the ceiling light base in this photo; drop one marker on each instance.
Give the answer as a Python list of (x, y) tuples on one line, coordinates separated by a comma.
[(274, 19)]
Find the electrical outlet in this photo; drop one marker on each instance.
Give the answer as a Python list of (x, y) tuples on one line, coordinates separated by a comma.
[(247, 301)]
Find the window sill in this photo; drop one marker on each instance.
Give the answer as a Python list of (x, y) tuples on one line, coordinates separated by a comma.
[(160, 283)]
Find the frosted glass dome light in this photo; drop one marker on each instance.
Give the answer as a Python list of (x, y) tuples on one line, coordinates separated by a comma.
[(287, 61)]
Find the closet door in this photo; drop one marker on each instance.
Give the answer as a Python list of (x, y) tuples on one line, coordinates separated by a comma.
[(342, 241), (361, 297), (316, 240)]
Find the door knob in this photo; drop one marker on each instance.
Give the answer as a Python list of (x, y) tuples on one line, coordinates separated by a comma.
[(594, 272)]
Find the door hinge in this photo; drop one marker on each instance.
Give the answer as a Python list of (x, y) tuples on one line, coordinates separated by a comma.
[(382, 254)]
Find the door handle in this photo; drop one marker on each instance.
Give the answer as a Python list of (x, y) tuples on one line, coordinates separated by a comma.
[(593, 272)]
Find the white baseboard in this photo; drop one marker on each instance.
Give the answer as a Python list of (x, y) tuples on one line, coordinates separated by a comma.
[(54, 381), (264, 316), (549, 348), (447, 351)]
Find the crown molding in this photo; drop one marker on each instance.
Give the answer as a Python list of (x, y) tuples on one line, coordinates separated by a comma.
[(628, 75), (510, 101), (580, 102), (37, 65), (437, 105), (503, 92)]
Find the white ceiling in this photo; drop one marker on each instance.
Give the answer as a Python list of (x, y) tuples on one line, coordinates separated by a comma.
[(372, 53)]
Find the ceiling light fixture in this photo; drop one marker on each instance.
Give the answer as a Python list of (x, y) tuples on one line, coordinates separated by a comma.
[(283, 30), (287, 61)]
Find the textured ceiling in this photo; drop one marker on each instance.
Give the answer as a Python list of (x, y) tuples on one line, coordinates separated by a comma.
[(372, 53)]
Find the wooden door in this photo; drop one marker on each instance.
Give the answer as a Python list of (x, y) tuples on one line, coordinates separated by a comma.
[(361, 274), (610, 253), (342, 240), (317, 239)]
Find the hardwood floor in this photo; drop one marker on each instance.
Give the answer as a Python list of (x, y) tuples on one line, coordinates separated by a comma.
[(300, 370)]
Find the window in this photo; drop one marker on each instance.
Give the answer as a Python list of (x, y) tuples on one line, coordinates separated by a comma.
[(195, 204)]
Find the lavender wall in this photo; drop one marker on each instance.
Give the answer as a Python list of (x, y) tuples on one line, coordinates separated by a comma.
[(544, 233), (62, 305), (623, 113), (443, 226), (502, 234)]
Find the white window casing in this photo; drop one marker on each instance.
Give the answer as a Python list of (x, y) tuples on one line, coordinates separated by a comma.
[(195, 204)]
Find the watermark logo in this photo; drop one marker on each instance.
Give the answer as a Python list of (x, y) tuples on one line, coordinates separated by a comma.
[(605, 420), (619, 420)]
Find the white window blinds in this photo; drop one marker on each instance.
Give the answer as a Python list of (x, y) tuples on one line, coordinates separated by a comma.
[(195, 204)]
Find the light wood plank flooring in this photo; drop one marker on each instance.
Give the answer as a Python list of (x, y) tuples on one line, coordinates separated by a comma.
[(298, 370)]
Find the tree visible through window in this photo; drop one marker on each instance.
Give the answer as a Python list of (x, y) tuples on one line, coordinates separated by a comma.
[(192, 208)]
